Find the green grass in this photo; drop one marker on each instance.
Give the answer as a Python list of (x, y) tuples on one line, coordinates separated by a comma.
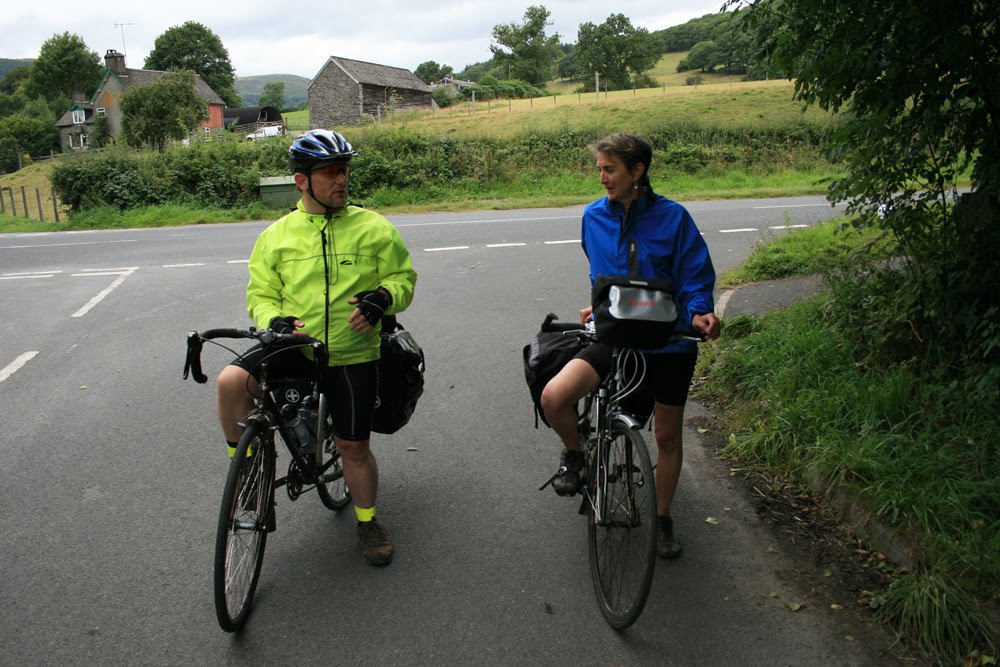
[(806, 252)]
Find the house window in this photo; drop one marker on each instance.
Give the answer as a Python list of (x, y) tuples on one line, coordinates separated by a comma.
[(101, 112), (79, 116), (78, 141)]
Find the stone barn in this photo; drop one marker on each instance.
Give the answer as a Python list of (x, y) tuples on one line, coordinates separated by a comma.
[(344, 91)]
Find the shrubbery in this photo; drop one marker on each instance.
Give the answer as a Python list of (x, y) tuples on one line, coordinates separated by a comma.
[(227, 174)]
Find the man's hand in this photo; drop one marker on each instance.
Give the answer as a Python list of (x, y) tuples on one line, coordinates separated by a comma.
[(371, 306), (287, 325), (707, 324)]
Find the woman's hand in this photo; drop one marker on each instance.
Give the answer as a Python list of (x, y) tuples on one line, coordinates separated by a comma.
[(707, 324), (586, 314)]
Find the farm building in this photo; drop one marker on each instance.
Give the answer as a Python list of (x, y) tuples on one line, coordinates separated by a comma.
[(345, 91), (77, 123)]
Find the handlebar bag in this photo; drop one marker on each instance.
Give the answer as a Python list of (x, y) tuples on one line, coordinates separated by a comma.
[(401, 378), (634, 312)]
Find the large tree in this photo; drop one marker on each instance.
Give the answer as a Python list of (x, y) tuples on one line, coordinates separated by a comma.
[(920, 83), (64, 66), (192, 46), (524, 49), (168, 108), (616, 50)]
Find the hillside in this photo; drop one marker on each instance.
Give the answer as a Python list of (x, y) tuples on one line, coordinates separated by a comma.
[(250, 88), (7, 64)]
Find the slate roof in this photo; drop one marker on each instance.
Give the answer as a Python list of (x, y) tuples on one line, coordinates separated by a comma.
[(377, 75), (144, 77)]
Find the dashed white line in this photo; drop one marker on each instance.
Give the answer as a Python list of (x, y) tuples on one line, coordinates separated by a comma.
[(456, 247), (238, 261), (55, 245), (25, 277), (29, 274), (788, 227), (16, 365), (793, 206), (95, 273), (181, 266), (733, 231), (561, 242), (505, 245)]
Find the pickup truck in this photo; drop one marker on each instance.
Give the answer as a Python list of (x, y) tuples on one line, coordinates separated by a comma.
[(265, 132)]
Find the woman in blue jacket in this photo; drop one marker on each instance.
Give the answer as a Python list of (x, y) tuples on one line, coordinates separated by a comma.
[(634, 231)]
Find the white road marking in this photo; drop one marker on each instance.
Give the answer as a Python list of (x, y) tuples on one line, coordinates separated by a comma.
[(792, 206), (788, 227), (37, 275), (474, 222), (732, 231), (238, 261), (720, 308), (561, 242), (95, 273), (16, 365), (106, 291), (123, 268), (505, 245), (181, 266), (457, 247), (55, 245), (33, 273)]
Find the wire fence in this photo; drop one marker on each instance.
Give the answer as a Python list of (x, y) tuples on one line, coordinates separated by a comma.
[(22, 202)]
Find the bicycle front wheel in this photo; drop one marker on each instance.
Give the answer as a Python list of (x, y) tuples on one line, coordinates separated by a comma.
[(622, 526), (243, 525)]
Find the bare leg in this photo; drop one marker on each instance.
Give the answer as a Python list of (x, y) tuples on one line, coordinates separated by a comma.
[(360, 470), (668, 429), (234, 400), (560, 396)]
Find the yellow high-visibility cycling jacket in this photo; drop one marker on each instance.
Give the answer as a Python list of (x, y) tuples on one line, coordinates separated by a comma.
[(363, 251)]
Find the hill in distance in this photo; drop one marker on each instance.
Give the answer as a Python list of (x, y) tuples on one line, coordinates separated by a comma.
[(7, 64), (250, 88)]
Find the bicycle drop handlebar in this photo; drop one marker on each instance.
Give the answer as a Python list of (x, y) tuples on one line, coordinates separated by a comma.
[(266, 337)]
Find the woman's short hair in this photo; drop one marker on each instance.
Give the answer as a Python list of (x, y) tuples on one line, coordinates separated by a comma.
[(631, 149)]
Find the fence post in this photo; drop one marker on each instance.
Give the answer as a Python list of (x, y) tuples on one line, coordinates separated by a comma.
[(24, 198), (38, 198), (13, 204), (55, 206), (3, 207), (553, 100)]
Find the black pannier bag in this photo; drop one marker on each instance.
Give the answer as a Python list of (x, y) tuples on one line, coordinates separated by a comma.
[(544, 357), (634, 312), (401, 378)]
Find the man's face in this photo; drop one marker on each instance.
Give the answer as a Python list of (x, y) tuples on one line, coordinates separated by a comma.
[(329, 184)]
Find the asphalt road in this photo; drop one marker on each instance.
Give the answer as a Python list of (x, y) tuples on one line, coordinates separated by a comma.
[(111, 471)]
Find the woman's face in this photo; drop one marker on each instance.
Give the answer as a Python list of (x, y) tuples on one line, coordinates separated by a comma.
[(616, 179)]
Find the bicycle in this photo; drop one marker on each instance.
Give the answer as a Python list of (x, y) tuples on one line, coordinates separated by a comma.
[(296, 410), (619, 487)]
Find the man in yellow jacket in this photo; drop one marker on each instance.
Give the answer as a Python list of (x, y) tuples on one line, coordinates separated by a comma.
[(329, 270)]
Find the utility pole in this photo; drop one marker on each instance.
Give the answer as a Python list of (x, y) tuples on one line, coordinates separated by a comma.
[(122, 26)]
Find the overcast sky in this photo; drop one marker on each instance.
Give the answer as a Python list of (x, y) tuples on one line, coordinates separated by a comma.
[(275, 37)]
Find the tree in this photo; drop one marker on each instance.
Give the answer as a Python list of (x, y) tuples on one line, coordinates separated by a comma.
[(14, 78), (192, 46), (273, 95), (430, 72), (31, 134), (64, 66), (921, 92), (705, 56), (616, 50), (168, 108), (525, 50)]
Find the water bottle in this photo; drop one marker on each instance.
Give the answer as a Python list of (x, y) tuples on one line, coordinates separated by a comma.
[(298, 422)]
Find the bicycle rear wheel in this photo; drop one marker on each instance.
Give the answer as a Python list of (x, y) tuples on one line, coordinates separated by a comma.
[(243, 526), (622, 527), (334, 493)]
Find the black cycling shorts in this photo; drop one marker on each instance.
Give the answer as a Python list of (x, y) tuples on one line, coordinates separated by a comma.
[(351, 390), (667, 381)]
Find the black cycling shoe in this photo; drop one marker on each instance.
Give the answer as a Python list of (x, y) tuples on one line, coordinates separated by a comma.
[(667, 545), (568, 480)]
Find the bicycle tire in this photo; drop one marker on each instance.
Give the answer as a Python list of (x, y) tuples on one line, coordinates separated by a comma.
[(334, 494), (243, 526), (623, 544)]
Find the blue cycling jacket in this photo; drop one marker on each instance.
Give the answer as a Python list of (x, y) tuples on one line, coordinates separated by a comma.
[(667, 245)]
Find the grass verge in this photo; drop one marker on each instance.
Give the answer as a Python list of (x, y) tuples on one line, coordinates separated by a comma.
[(911, 449)]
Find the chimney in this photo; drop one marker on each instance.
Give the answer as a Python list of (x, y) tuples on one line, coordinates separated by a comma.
[(115, 62), (79, 96)]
